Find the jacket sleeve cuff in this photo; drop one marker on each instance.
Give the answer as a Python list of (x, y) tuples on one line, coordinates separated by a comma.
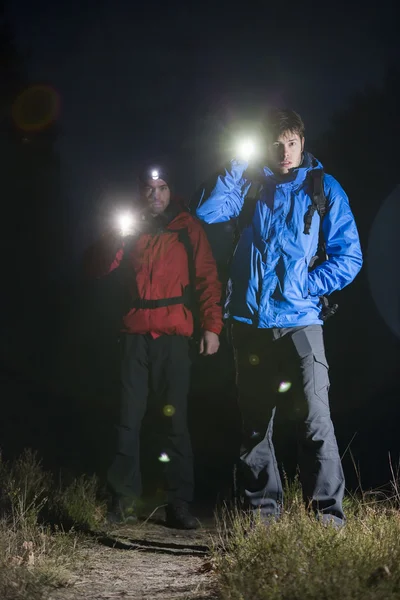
[(212, 327)]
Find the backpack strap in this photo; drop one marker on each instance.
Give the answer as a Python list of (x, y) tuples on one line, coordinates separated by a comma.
[(191, 298), (319, 201), (252, 196), (319, 204), (184, 238), (319, 197)]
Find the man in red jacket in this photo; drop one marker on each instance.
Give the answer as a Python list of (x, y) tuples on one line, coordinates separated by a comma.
[(166, 261)]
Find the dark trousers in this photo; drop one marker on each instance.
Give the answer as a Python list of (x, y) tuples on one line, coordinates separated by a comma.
[(161, 368), (268, 362)]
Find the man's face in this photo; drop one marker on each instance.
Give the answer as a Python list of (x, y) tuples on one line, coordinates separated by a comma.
[(285, 152), (157, 194)]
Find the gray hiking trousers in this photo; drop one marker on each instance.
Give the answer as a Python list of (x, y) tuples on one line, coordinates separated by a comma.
[(286, 370)]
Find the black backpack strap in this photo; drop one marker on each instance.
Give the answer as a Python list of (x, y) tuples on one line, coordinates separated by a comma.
[(192, 301), (319, 202), (252, 196), (319, 197), (184, 238), (161, 302)]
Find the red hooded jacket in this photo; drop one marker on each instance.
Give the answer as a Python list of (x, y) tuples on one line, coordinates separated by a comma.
[(158, 268)]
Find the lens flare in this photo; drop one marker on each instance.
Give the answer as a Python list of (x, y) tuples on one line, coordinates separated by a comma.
[(382, 267), (284, 386), (254, 360), (169, 410), (164, 458), (36, 108)]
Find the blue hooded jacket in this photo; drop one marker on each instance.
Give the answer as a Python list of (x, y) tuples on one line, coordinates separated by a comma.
[(270, 284)]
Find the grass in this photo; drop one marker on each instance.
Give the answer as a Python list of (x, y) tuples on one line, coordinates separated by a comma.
[(78, 503), (295, 558), (38, 527), (298, 558)]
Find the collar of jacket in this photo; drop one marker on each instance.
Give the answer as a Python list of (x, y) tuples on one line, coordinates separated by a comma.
[(160, 222), (297, 176)]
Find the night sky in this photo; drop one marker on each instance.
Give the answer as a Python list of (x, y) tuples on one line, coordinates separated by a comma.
[(169, 79)]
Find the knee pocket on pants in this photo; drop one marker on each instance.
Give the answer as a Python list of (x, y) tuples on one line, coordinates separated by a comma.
[(321, 377)]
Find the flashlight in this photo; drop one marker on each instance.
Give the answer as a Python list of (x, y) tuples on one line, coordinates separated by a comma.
[(246, 149), (155, 174), (125, 224)]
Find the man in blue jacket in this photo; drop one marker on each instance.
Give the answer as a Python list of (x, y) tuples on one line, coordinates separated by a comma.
[(274, 304)]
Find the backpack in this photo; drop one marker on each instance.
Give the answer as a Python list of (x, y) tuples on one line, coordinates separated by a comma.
[(319, 203)]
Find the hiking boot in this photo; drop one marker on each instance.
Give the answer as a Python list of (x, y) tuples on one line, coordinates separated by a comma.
[(123, 512), (330, 520), (178, 516)]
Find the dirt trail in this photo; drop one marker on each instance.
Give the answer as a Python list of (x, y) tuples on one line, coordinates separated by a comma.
[(149, 562)]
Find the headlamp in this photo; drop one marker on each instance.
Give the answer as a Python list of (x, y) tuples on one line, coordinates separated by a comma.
[(154, 173)]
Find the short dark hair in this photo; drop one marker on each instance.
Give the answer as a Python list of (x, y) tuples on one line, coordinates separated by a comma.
[(280, 120)]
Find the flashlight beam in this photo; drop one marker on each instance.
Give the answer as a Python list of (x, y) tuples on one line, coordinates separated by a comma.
[(246, 149), (125, 223)]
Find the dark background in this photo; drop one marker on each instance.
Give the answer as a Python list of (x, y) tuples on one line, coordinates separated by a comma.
[(127, 83)]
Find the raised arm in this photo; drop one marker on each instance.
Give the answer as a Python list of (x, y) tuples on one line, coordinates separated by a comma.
[(223, 199), (102, 257)]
